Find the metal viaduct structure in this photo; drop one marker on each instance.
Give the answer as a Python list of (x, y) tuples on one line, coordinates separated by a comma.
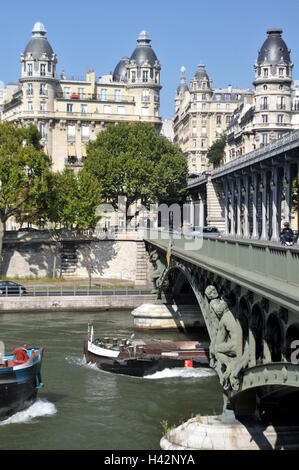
[(245, 283)]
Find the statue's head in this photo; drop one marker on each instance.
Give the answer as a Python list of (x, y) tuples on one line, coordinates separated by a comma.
[(219, 307), (211, 292), (153, 256)]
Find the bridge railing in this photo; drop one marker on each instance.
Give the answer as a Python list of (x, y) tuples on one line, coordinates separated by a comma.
[(259, 265)]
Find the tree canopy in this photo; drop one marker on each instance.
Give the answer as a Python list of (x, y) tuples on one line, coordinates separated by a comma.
[(216, 151), (132, 160)]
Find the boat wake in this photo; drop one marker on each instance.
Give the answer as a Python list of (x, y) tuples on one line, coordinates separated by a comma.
[(185, 372), (41, 407)]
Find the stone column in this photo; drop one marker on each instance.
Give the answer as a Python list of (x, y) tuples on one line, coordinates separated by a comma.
[(191, 213), (264, 234), (274, 188), (239, 228), (226, 223), (201, 211), (254, 206), (246, 207), (232, 208), (288, 192)]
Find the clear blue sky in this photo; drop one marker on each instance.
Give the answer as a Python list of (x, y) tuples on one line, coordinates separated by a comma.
[(223, 34)]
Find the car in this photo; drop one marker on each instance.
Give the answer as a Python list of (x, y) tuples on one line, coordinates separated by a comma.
[(9, 287), (207, 231)]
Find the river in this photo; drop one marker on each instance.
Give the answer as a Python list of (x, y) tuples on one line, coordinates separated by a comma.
[(83, 408)]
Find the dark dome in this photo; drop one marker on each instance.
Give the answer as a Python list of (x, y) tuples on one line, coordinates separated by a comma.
[(120, 71), (274, 49), (144, 50), (201, 72), (39, 45)]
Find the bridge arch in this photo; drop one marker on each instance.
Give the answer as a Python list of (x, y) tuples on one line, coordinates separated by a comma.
[(275, 337), (257, 329)]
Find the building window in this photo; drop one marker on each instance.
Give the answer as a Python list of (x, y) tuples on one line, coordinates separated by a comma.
[(280, 118), (121, 110), (85, 132), (103, 94), (144, 111), (69, 108), (43, 89), (281, 72), (42, 129), (227, 106), (203, 119), (227, 119), (264, 103), (49, 67), (145, 95), (30, 106), (42, 106), (218, 119), (204, 131), (66, 92), (264, 138), (43, 69), (84, 108), (265, 72), (133, 76), (145, 76), (81, 93), (218, 106), (264, 117), (218, 97), (203, 106), (265, 87), (30, 70), (107, 109), (29, 89), (117, 95), (203, 143), (280, 102), (71, 132)]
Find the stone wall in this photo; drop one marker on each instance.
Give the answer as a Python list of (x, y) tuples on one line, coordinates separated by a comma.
[(31, 255)]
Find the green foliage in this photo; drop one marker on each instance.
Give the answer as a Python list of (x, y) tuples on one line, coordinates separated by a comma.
[(74, 200), (25, 172), (215, 152), (132, 160)]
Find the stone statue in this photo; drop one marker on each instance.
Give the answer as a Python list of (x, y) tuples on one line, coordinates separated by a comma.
[(156, 275), (223, 347)]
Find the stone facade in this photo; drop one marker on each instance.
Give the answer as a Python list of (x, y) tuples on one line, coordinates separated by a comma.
[(202, 114), (274, 111), (70, 112)]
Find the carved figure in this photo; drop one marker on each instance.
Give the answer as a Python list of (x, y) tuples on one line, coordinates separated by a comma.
[(156, 275), (223, 347)]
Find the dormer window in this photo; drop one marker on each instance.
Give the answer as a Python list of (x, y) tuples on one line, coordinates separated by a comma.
[(133, 76), (43, 69), (281, 72), (29, 70), (265, 72)]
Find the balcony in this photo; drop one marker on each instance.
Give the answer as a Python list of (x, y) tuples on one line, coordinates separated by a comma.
[(95, 97)]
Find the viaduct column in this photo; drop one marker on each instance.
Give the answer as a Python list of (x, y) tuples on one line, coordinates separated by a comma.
[(246, 207), (264, 235), (288, 192), (232, 207), (239, 229), (274, 188), (254, 206), (226, 223)]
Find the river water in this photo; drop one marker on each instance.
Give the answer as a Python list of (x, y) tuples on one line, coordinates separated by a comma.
[(83, 408)]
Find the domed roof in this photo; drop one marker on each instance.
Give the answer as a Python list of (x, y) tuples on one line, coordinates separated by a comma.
[(39, 45), (274, 49), (201, 72), (144, 50), (120, 71)]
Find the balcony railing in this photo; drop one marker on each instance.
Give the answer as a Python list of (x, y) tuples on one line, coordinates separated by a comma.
[(96, 97)]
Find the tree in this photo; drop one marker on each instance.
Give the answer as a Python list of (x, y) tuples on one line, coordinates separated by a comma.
[(25, 173), (132, 160), (216, 151)]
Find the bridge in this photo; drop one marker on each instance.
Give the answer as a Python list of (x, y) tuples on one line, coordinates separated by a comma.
[(245, 283)]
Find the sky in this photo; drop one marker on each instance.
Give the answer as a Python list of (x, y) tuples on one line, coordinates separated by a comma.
[(225, 35)]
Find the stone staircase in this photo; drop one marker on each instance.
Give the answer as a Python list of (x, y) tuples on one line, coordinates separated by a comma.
[(69, 259), (142, 264)]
